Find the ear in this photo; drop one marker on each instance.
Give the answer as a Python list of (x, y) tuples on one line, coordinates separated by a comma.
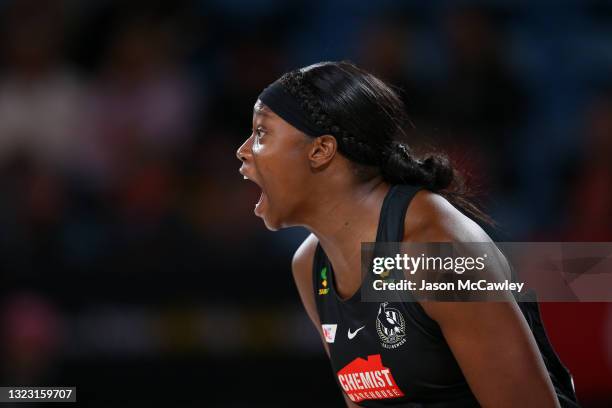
[(322, 151)]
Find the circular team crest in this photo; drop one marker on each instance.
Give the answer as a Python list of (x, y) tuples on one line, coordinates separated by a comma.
[(391, 326)]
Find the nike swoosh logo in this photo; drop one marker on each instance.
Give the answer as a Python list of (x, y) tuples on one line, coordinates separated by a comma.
[(353, 334)]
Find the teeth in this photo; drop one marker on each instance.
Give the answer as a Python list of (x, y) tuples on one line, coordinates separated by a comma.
[(245, 177)]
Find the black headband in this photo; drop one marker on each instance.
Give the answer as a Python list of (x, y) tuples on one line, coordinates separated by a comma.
[(287, 107)]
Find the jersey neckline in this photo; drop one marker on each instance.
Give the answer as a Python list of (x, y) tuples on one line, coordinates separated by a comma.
[(379, 232)]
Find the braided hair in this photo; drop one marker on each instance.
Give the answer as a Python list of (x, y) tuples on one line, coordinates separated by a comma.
[(368, 120)]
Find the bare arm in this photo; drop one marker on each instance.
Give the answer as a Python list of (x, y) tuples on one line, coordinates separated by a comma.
[(491, 341), (496, 352), (302, 273)]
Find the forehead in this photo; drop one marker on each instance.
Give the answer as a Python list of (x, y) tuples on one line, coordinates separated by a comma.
[(261, 110)]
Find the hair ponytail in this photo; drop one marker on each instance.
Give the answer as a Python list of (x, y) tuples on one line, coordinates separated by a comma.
[(435, 173), (402, 167)]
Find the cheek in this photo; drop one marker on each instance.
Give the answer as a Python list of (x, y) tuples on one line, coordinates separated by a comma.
[(286, 177), (283, 167), (256, 148), (279, 160)]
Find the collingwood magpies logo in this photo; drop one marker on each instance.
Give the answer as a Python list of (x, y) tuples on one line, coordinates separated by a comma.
[(390, 326)]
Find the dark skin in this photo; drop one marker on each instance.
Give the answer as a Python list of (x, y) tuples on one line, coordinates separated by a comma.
[(307, 182)]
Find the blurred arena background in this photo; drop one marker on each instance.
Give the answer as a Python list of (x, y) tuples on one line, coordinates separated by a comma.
[(131, 264)]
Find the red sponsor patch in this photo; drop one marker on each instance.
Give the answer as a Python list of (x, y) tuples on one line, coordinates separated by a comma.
[(368, 379)]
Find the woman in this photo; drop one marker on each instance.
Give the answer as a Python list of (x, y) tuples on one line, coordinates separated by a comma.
[(326, 152)]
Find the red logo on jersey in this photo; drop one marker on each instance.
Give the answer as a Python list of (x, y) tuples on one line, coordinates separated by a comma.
[(368, 379)]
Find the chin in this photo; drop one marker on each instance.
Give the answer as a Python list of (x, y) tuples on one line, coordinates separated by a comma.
[(275, 223), (272, 227), (271, 223)]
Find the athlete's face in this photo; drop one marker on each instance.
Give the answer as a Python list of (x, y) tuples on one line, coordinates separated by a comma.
[(275, 157)]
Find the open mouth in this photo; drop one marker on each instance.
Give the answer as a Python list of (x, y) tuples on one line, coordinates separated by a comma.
[(259, 207), (263, 198)]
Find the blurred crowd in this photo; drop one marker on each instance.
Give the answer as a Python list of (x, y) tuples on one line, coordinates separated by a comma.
[(126, 231)]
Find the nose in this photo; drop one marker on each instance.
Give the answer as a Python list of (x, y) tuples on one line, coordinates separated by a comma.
[(244, 151)]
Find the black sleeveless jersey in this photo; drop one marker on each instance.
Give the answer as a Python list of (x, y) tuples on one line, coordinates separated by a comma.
[(394, 354)]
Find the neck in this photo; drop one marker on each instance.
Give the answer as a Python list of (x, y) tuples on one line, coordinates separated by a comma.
[(343, 208), (342, 217)]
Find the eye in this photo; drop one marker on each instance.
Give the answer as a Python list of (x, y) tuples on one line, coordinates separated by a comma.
[(259, 132)]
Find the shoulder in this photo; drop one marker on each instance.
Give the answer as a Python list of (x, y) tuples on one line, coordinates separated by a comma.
[(432, 218), (301, 265), (302, 274)]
